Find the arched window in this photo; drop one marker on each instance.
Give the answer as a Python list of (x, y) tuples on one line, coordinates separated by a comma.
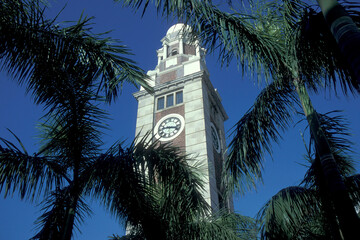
[(174, 52)]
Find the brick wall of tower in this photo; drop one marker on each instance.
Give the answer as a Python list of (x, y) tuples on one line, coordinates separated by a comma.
[(189, 49), (176, 73), (167, 77), (180, 59)]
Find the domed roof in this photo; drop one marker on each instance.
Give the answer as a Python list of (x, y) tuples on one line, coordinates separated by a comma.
[(177, 27)]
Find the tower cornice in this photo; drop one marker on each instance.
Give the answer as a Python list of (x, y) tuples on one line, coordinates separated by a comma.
[(171, 84)]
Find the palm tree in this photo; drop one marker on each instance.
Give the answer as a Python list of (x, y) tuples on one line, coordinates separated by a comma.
[(298, 75), (66, 69), (280, 47), (305, 212)]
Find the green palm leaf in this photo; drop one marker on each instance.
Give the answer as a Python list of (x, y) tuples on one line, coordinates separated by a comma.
[(28, 39), (318, 55), (353, 185), (223, 225), (253, 134), (30, 175), (336, 130), (307, 212), (147, 184), (52, 222), (293, 213), (77, 120), (232, 35), (115, 179)]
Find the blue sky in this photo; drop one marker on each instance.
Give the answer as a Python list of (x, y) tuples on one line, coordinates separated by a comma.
[(142, 36)]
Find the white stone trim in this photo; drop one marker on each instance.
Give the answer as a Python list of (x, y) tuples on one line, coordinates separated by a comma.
[(171, 61), (181, 46)]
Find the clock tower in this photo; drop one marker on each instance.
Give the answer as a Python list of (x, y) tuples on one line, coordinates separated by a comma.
[(185, 109)]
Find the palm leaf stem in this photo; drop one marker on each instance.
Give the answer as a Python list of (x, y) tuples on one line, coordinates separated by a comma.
[(348, 219)]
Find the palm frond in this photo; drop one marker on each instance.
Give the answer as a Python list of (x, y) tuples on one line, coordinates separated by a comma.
[(223, 225), (309, 42), (57, 208), (127, 237), (29, 175), (76, 122), (151, 186), (293, 213), (233, 35), (117, 180), (28, 39), (307, 212), (253, 134), (318, 55), (167, 167), (353, 186), (291, 10), (336, 131), (241, 37)]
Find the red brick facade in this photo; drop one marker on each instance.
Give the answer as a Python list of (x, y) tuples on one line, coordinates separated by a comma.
[(167, 77), (189, 49)]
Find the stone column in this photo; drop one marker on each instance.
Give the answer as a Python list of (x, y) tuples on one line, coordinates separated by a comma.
[(165, 51), (181, 46)]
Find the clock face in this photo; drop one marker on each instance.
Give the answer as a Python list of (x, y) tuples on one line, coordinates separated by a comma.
[(169, 127), (215, 138)]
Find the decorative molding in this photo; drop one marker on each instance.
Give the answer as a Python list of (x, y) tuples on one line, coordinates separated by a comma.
[(171, 84)]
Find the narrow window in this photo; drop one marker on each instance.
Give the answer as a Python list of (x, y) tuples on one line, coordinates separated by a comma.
[(170, 100), (160, 103), (179, 97)]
